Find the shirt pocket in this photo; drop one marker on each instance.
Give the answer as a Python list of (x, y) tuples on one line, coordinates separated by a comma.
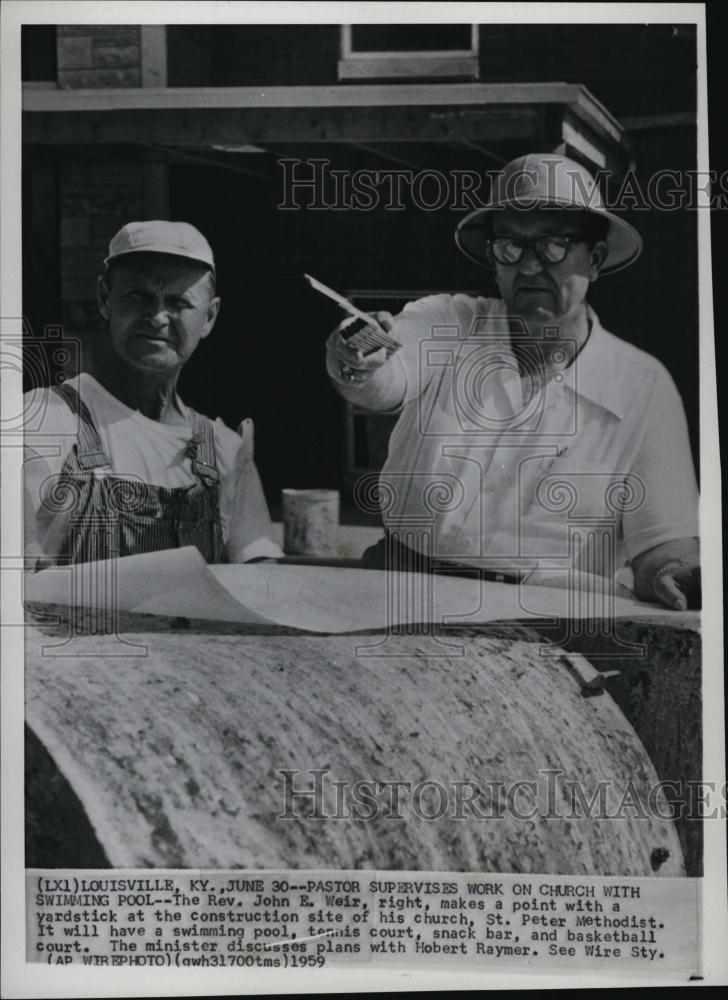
[(574, 488)]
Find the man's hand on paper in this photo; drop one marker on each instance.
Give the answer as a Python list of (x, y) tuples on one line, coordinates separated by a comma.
[(574, 579), (669, 574), (346, 364)]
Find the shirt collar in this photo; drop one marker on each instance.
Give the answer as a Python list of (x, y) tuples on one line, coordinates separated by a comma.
[(593, 374)]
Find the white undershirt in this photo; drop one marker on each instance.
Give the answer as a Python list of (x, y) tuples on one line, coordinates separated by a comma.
[(138, 447)]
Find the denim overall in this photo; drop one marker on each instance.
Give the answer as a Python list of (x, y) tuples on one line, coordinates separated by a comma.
[(111, 515)]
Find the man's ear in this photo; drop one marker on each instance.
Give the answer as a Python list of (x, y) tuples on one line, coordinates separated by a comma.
[(212, 310), (102, 296), (597, 256)]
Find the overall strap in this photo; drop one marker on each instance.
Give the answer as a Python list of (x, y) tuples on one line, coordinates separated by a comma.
[(204, 466), (203, 454), (90, 452)]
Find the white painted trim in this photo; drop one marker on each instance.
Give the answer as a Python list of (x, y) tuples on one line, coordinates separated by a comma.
[(402, 65), (371, 95), (153, 46), (579, 142), (415, 54), (362, 65), (348, 53)]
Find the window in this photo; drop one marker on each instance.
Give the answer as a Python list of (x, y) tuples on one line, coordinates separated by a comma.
[(408, 50)]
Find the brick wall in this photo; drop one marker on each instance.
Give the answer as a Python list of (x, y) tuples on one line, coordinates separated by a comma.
[(95, 200), (91, 56)]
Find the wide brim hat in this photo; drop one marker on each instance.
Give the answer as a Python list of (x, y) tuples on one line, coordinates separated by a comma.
[(175, 239), (543, 180)]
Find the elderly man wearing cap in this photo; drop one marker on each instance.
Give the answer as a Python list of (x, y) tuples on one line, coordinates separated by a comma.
[(530, 441), (135, 470)]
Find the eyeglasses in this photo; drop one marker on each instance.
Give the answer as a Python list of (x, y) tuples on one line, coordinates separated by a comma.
[(549, 249)]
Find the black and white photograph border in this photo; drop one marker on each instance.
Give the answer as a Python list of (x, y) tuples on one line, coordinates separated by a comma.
[(373, 171)]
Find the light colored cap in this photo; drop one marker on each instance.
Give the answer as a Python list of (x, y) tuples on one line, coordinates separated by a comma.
[(179, 239), (540, 180)]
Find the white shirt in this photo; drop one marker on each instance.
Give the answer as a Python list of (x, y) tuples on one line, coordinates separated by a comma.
[(587, 471), (146, 449)]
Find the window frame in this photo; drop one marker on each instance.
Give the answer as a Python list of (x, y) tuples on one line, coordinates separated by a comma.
[(358, 65)]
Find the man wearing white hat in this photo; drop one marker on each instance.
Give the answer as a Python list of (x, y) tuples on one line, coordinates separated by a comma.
[(133, 469), (529, 439)]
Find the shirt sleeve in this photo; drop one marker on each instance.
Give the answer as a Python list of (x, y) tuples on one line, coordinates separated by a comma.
[(403, 376), (50, 432), (425, 321), (247, 527), (664, 465)]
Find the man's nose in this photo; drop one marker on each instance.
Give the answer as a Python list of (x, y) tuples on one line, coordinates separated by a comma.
[(529, 262), (158, 315)]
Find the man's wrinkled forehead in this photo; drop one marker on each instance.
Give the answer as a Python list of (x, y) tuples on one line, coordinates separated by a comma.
[(160, 273), (539, 221)]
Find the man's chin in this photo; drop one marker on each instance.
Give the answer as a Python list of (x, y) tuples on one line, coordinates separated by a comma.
[(540, 313), (153, 363), (534, 304)]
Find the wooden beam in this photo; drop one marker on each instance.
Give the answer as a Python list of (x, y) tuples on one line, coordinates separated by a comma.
[(362, 95), (605, 128), (385, 155), (589, 141), (679, 119), (206, 127), (492, 157), (454, 112), (168, 156)]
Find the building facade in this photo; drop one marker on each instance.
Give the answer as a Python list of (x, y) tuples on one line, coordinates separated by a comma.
[(254, 133)]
